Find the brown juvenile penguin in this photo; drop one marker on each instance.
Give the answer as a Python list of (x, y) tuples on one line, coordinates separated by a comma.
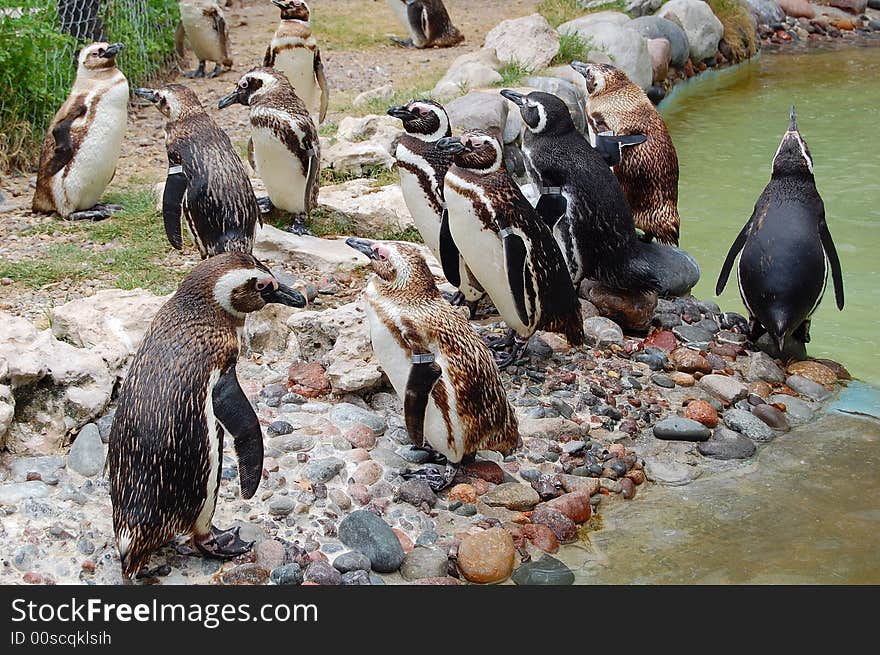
[(454, 400), (647, 171), (180, 395)]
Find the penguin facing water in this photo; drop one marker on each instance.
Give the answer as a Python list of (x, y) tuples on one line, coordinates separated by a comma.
[(287, 154), (84, 139), (593, 225), (786, 249), (180, 396), (204, 26), (647, 168), (422, 167), (506, 244), (454, 399), (427, 22), (206, 180), (295, 53)]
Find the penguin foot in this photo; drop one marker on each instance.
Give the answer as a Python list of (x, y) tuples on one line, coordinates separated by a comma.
[(265, 204), (222, 544), (458, 299), (501, 343), (216, 72), (403, 43), (504, 359), (198, 72), (96, 213), (436, 480), (299, 228)]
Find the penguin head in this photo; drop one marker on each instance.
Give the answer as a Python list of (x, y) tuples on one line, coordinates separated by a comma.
[(424, 119), (255, 83), (400, 266), (543, 113), (474, 150), (293, 9), (174, 101), (98, 57), (601, 78), (793, 156), (239, 283)]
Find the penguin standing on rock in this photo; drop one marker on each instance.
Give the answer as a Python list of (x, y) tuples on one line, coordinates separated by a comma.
[(427, 22), (203, 25), (629, 129), (506, 244), (180, 396), (422, 167), (206, 180), (454, 400), (786, 249), (582, 201), (84, 139), (287, 152), (295, 53)]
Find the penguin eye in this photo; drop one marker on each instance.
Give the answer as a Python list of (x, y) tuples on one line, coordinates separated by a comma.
[(244, 83)]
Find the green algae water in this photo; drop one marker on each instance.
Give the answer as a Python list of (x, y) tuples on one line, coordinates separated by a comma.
[(726, 127)]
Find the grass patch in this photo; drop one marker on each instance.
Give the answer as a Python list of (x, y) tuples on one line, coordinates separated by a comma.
[(558, 12), (381, 175), (339, 30), (572, 47), (328, 129), (739, 33), (409, 233), (138, 246), (512, 74)]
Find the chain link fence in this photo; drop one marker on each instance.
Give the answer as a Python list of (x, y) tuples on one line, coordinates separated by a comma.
[(39, 41)]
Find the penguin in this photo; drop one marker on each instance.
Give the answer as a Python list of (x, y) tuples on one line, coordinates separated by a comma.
[(204, 26), (179, 399), (287, 152), (786, 249), (84, 139), (206, 180), (422, 167), (647, 168), (506, 244), (427, 22), (454, 400), (582, 201), (295, 53)]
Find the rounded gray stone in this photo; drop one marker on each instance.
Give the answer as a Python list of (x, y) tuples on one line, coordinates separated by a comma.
[(366, 533), (352, 561), (806, 387), (676, 428), (86, 455), (751, 426), (727, 444), (545, 571), (423, 562)]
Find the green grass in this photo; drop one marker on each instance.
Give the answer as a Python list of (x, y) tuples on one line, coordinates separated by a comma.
[(572, 47), (327, 222), (338, 31), (382, 176), (512, 74), (327, 129), (739, 32), (380, 106), (135, 259), (558, 12), (409, 233)]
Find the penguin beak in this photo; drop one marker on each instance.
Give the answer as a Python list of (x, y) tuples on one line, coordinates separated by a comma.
[(516, 98), (231, 99), (792, 121), (112, 50), (451, 144), (280, 4), (283, 295), (400, 112), (147, 94), (581, 67), (363, 246)]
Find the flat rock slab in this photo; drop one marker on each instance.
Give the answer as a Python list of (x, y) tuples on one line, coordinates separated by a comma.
[(323, 255), (727, 444), (806, 387), (749, 425), (676, 428), (726, 388)]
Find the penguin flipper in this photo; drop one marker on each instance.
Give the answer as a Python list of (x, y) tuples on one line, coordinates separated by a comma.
[(833, 260), (234, 411), (172, 201), (422, 377), (515, 264), (63, 152), (737, 245), (611, 146), (322, 83), (417, 15), (269, 57), (448, 252), (312, 171)]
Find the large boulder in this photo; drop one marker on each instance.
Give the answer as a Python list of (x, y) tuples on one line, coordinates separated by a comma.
[(353, 157), (382, 130), (797, 8), (467, 72), (321, 255), (372, 207), (573, 96), (577, 24), (641, 7), (627, 48), (766, 12), (478, 110), (529, 41), (702, 27), (655, 27), (676, 269)]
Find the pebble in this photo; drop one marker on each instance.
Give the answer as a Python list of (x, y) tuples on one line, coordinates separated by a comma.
[(414, 455), (423, 562), (749, 425), (610, 485), (671, 474), (289, 574), (682, 379), (797, 411), (487, 556), (416, 493), (322, 470), (771, 416), (760, 389), (281, 505), (339, 497), (488, 471), (676, 428), (576, 483), (627, 488), (692, 334), (269, 554), (727, 444), (279, 428), (655, 358), (352, 561), (360, 436), (806, 387), (86, 455), (346, 415), (636, 475), (513, 496), (689, 361), (575, 505), (762, 367), (353, 578), (245, 574), (466, 509), (562, 526), (541, 536), (367, 472), (814, 371), (465, 493), (601, 331), (545, 571), (322, 573), (702, 412), (662, 380), (726, 388), (365, 532)]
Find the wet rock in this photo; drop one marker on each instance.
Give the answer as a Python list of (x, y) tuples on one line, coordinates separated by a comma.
[(806, 387), (513, 496), (702, 412), (771, 416), (670, 473), (352, 561), (814, 371), (763, 367), (797, 411), (749, 425), (322, 470), (545, 571), (308, 379), (487, 556), (727, 444), (632, 312), (836, 367), (541, 536), (246, 574), (689, 361), (365, 532), (726, 388), (575, 506), (692, 334), (562, 526), (86, 455), (601, 331), (320, 572), (760, 389), (289, 574), (423, 562), (416, 493), (676, 428)]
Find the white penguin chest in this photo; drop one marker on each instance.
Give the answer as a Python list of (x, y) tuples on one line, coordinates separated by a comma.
[(203, 37), (422, 210), (298, 64), (281, 170)]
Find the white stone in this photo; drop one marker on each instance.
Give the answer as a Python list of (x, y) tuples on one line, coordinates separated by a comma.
[(577, 24), (702, 27), (381, 130), (321, 255), (627, 48), (348, 157), (383, 92), (461, 79), (529, 41), (478, 110), (371, 206)]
